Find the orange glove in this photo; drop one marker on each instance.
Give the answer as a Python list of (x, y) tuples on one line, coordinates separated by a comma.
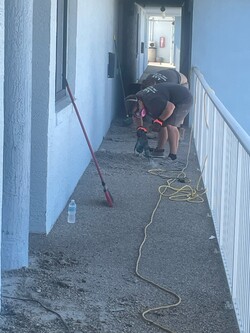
[(157, 124)]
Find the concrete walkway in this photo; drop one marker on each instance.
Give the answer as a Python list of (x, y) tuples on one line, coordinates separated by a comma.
[(180, 252)]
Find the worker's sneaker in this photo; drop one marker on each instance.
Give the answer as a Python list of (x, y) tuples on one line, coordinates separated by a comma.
[(156, 153), (173, 165)]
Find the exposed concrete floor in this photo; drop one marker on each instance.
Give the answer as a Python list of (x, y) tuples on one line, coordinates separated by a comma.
[(87, 271)]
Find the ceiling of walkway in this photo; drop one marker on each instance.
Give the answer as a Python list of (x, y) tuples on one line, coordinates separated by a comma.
[(169, 11), (153, 7)]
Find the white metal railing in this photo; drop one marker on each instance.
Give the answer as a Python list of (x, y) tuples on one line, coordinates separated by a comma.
[(223, 149)]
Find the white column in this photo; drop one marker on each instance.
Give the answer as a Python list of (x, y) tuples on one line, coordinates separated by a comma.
[(17, 133)]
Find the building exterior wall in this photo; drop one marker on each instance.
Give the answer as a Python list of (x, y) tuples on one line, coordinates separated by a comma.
[(142, 43), (221, 51), (40, 113), (177, 42), (1, 117), (60, 155)]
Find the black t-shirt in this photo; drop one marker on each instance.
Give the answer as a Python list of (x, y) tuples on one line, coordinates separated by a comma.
[(155, 97), (167, 75)]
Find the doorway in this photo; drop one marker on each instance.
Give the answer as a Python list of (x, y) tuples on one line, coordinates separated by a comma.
[(164, 29), (171, 45)]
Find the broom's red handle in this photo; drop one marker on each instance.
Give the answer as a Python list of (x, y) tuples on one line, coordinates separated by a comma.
[(84, 131)]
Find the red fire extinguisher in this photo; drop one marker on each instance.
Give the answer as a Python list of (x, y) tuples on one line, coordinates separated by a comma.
[(162, 41)]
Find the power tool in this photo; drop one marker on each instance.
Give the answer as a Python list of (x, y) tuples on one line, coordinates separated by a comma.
[(141, 145)]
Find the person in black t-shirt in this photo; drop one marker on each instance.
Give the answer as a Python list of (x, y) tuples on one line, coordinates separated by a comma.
[(168, 104), (170, 75)]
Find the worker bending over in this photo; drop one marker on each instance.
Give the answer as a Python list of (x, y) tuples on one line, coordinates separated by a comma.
[(168, 104), (169, 75)]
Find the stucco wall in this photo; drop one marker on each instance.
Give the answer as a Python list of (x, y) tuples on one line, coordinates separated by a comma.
[(67, 154), (222, 52), (177, 42), (1, 114), (142, 38), (40, 112)]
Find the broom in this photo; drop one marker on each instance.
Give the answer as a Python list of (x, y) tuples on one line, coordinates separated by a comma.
[(105, 189)]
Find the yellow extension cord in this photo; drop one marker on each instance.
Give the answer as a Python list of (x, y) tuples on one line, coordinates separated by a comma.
[(184, 193)]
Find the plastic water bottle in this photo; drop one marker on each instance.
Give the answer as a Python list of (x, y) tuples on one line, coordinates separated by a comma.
[(72, 212)]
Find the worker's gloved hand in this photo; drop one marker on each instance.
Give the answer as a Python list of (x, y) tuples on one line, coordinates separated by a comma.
[(141, 131), (157, 124), (142, 141)]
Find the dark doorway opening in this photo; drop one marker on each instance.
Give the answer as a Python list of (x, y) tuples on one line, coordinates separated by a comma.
[(129, 43)]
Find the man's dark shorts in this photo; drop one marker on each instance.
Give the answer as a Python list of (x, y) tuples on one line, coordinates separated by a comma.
[(178, 116)]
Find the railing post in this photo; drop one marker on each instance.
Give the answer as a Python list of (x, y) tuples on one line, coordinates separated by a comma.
[(222, 206), (237, 222)]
